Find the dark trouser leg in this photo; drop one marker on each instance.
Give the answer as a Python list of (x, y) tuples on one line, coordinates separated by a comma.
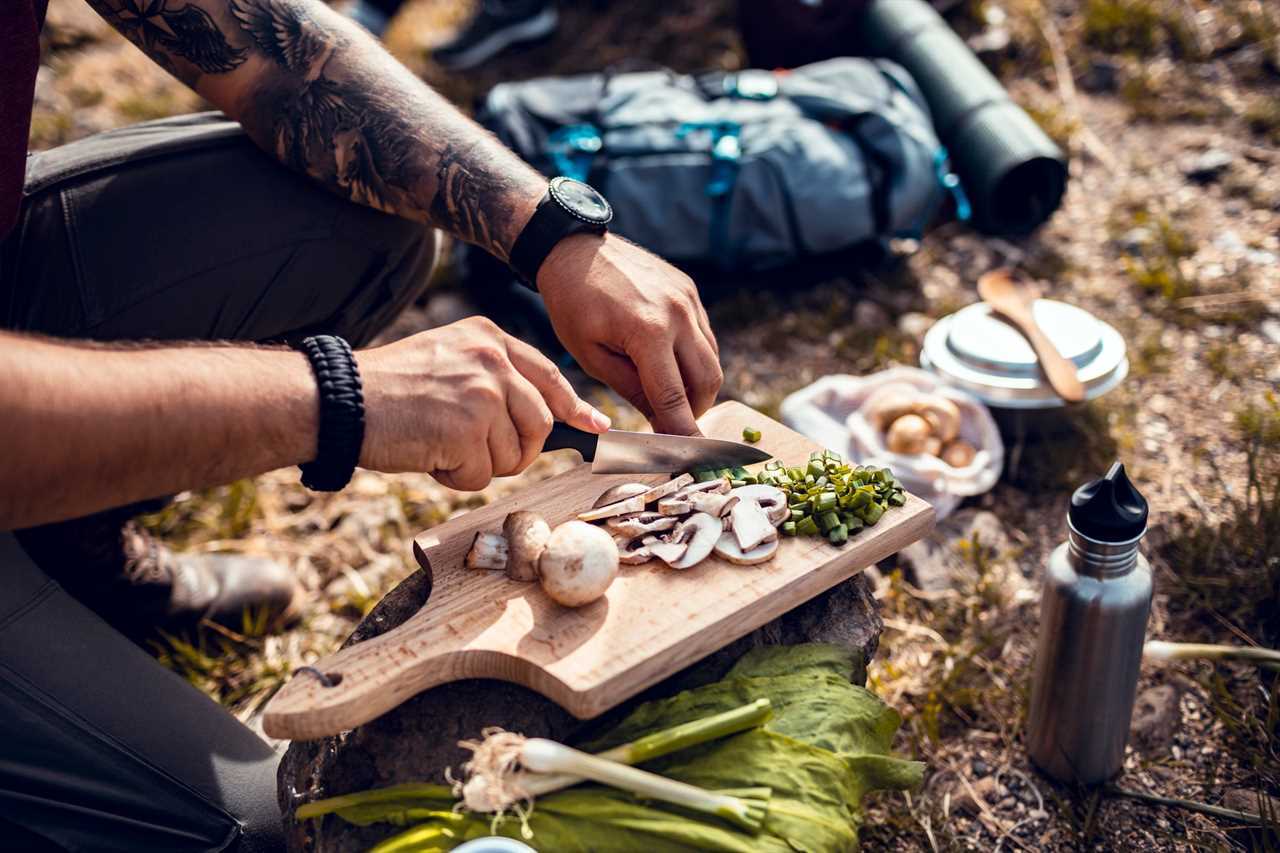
[(182, 229), (172, 230), (103, 750)]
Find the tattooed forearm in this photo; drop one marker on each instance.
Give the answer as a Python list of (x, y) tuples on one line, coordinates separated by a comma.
[(173, 32), (328, 101)]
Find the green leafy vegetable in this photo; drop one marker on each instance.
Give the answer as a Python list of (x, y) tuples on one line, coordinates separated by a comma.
[(826, 745)]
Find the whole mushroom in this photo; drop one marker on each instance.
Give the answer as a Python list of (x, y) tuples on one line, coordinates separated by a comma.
[(908, 434), (942, 415), (527, 534), (578, 564)]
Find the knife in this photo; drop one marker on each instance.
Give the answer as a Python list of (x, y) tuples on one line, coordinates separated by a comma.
[(621, 452)]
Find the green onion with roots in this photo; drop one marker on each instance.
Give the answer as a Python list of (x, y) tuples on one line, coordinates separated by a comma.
[(500, 778)]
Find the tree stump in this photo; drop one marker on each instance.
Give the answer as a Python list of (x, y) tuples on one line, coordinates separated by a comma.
[(417, 741)]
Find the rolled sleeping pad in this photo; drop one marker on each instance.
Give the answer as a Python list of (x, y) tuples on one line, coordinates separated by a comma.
[(1012, 172)]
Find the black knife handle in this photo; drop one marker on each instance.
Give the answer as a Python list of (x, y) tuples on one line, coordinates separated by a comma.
[(564, 436)]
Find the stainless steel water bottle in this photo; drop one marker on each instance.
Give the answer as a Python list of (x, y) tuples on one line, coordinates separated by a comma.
[(1093, 620)]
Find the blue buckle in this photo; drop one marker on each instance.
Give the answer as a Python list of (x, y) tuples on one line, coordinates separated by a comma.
[(951, 183), (573, 148)]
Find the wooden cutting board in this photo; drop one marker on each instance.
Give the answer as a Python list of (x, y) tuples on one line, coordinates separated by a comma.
[(653, 622)]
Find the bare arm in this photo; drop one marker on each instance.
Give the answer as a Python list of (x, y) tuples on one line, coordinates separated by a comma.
[(87, 428), (327, 100)]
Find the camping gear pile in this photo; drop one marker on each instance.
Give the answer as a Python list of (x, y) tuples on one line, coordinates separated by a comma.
[(756, 169)]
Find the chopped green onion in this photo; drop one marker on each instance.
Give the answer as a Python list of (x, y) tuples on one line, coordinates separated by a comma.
[(788, 528), (838, 535), (750, 435)]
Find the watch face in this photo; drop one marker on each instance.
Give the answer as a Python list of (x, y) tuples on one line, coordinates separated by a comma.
[(581, 200)]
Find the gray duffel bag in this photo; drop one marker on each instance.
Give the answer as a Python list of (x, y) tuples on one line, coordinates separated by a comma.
[(739, 171)]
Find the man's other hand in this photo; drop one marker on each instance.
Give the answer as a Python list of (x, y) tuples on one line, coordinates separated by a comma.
[(634, 321), (465, 402)]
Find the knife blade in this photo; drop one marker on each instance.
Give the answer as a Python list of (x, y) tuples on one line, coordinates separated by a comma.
[(621, 452)]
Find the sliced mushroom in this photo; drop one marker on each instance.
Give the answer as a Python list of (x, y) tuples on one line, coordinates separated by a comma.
[(718, 486), (620, 492), (646, 493), (675, 505), (750, 524), (661, 490), (527, 534), (772, 499), (633, 550), (700, 531), (488, 551), (631, 504), (641, 523), (713, 504), (667, 552), (727, 547)]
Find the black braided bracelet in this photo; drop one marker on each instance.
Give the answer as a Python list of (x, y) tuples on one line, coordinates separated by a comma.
[(341, 413)]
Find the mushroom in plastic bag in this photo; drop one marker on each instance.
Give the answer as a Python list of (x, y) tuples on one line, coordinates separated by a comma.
[(915, 413)]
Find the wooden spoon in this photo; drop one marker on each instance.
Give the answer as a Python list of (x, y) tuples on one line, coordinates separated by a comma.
[(998, 289)]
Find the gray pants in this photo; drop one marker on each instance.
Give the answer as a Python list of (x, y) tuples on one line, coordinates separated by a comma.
[(179, 229)]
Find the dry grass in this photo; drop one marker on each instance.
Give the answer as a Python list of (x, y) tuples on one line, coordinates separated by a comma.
[(1193, 423)]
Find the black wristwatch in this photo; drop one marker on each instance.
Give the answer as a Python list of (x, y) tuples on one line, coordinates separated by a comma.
[(569, 207)]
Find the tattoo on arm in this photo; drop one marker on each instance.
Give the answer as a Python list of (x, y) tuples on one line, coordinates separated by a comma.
[(332, 107)]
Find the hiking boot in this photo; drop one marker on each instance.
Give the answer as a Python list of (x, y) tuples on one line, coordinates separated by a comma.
[(136, 584), (497, 25)]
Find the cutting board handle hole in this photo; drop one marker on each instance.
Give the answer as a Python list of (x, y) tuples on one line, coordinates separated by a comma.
[(326, 679)]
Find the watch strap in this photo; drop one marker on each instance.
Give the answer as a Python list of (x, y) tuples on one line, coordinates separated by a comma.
[(341, 431), (550, 223)]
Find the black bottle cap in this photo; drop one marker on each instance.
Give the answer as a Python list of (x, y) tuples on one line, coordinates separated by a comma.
[(1109, 509)]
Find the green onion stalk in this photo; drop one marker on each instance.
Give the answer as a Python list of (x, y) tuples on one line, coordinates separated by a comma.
[(499, 778), (1268, 659)]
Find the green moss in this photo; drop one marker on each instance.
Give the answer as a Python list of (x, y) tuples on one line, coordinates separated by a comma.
[(49, 129), (1124, 26), (1162, 97)]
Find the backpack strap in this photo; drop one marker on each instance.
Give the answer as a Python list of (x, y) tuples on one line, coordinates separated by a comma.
[(726, 153), (573, 148)]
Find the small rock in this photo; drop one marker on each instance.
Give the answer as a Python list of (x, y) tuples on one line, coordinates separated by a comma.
[(1251, 801), (1209, 166), (1103, 75), (1156, 716), (913, 324), (869, 315), (1270, 329), (980, 768)]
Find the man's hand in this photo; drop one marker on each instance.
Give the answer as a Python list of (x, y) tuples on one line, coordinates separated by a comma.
[(465, 402), (635, 322)]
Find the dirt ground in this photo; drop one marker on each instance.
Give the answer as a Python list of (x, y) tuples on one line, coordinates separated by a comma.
[(1188, 270)]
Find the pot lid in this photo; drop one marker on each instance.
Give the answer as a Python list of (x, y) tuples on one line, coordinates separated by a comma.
[(978, 351)]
